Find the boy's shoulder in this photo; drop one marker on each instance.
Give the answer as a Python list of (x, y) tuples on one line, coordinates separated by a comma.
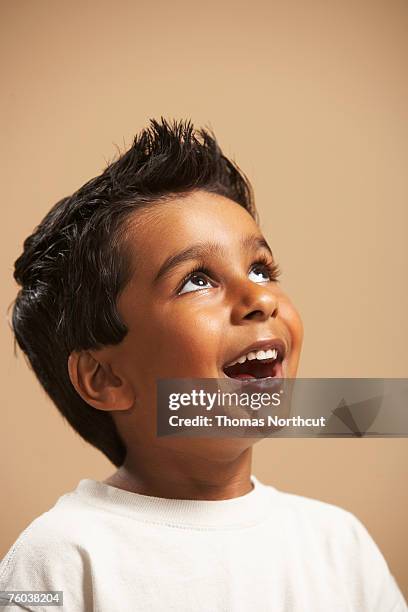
[(324, 521), (50, 539), (308, 507), (319, 529)]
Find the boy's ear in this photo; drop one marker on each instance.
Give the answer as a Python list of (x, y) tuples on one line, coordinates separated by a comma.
[(97, 384)]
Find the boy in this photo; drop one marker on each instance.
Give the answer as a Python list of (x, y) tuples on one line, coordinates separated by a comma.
[(157, 269)]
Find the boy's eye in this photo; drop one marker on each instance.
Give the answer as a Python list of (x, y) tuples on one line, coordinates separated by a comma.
[(261, 272), (195, 282)]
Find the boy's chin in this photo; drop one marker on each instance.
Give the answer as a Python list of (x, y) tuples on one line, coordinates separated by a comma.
[(215, 449)]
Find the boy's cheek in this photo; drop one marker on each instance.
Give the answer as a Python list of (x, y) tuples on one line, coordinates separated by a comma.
[(298, 330), (191, 333), (292, 319), (192, 352)]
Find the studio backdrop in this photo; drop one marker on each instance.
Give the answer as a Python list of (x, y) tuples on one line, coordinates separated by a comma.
[(311, 100)]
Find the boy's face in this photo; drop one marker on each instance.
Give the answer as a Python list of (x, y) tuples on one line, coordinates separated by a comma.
[(184, 326)]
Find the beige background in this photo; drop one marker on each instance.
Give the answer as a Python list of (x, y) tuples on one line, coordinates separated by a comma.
[(311, 99)]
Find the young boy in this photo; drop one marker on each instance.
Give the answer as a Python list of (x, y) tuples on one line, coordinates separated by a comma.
[(157, 269)]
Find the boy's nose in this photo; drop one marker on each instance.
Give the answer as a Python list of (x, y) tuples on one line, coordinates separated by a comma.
[(254, 302)]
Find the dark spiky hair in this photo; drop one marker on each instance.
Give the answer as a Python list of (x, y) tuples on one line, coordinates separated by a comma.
[(74, 265)]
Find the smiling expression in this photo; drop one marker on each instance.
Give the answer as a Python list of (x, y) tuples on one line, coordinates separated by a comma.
[(204, 293)]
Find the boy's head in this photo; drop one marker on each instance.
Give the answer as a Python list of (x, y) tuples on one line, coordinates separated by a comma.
[(154, 269)]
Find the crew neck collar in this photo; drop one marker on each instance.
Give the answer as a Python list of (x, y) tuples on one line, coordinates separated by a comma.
[(248, 509)]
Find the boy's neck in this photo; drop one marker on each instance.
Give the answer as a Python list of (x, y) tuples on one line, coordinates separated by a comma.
[(198, 479)]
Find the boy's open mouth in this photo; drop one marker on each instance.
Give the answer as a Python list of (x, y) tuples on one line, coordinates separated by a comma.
[(258, 363)]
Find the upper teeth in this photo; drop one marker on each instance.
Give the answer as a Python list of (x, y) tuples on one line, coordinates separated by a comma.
[(269, 354)]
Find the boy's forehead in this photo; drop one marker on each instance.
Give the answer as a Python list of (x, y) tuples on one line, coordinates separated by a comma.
[(197, 217)]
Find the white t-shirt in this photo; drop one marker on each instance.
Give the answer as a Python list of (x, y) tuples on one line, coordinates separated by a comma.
[(110, 550)]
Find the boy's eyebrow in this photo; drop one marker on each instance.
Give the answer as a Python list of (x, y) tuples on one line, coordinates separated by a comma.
[(203, 249)]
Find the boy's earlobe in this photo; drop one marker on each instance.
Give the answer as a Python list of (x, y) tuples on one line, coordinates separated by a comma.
[(96, 383)]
